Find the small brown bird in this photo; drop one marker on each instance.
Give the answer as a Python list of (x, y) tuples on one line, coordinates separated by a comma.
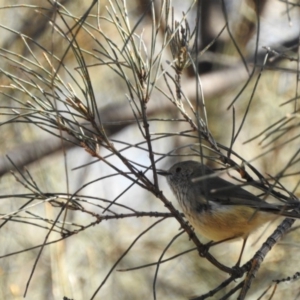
[(218, 209)]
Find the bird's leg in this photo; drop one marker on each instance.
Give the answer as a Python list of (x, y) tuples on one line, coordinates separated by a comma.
[(212, 243), (236, 270), (241, 254)]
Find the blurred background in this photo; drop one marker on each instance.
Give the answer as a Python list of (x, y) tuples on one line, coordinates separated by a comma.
[(94, 94)]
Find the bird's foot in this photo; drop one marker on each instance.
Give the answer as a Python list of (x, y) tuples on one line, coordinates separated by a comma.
[(205, 248)]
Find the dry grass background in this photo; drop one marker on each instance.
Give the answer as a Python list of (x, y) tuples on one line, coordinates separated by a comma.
[(33, 35)]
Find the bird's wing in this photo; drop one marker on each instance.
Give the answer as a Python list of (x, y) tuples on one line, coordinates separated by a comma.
[(225, 193)]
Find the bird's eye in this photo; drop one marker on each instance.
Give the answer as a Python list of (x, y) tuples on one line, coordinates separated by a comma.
[(178, 169)]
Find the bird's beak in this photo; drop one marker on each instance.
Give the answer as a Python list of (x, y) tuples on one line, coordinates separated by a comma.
[(163, 172)]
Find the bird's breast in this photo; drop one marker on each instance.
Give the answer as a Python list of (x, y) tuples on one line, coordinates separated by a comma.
[(218, 222)]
